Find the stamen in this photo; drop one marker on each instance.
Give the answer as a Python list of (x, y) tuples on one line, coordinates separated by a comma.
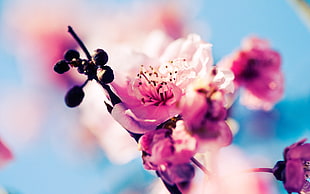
[(141, 73), (155, 88), (161, 96)]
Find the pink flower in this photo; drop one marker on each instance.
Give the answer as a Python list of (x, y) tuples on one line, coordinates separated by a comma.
[(5, 154), (297, 167), (166, 146), (168, 151), (257, 68), (151, 91), (204, 108)]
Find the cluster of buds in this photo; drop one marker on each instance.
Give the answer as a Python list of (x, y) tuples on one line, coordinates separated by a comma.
[(94, 67)]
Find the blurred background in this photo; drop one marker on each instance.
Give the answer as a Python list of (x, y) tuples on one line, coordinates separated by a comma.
[(63, 150)]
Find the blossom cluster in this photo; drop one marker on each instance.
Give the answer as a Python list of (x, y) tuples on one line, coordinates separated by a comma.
[(175, 103), (179, 101)]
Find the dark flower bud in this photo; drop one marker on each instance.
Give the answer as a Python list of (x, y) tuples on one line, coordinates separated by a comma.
[(91, 71), (71, 54), (81, 69), (74, 96), (106, 75), (100, 57), (61, 67), (279, 170)]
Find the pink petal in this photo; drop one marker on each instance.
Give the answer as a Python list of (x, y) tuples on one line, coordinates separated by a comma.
[(121, 115), (5, 154), (255, 42), (301, 152), (294, 174), (216, 134), (181, 173)]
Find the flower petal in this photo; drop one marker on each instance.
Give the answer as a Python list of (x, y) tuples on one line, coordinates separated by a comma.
[(294, 174), (121, 115), (5, 154)]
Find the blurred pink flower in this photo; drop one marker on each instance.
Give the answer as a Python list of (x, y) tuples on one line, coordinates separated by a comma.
[(21, 119), (95, 118), (257, 68), (154, 90), (204, 108), (38, 37), (227, 175), (5, 154), (169, 151), (297, 167), (37, 43)]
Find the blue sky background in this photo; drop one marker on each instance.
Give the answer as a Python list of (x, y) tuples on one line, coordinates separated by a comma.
[(43, 168)]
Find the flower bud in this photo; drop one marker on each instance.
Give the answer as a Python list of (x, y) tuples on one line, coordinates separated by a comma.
[(74, 96), (279, 170), (106, 75), (61, 67), (100, 57), (71, 54)]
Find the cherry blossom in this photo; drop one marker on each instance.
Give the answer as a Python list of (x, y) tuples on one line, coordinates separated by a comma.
[(158, 83), (296, 174), (204, 108), (257, 69)]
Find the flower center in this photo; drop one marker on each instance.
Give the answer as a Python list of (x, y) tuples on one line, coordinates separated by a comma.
[(250, 72), (157, 86)]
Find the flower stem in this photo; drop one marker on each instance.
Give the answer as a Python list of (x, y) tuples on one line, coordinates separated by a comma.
[(113, 97), (78, 40), (269, 170), (199, 165)]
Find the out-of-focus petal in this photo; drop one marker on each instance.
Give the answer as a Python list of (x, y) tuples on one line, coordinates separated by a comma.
[(294, 174), (5, 154), (121, 115), (301, 152)]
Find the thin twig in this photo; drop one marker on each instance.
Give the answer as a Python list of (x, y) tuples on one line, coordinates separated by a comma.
[(269, 170), (199, 165), (113, 97), (81, 44)]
